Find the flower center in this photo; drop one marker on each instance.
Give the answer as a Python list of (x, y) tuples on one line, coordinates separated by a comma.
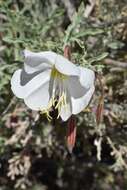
[(56, 74), (58, 98)]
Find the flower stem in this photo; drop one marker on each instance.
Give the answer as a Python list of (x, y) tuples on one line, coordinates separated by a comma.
[(100, 107)]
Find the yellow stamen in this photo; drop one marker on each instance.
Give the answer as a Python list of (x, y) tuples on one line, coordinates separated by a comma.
[(60, 100)]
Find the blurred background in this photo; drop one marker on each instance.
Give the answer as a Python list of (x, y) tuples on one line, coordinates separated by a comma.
[(33, 152)]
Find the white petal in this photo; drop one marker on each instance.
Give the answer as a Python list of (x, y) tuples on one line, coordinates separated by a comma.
[(41, 67), (39, 99), (81, 89), (66, 67), (75, 88), (22, 91), (87, 77), (66, 112), (38, 61), (78, 104), (34, 59)]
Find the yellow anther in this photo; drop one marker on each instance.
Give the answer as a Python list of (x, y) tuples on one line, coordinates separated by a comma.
[(46, 112)]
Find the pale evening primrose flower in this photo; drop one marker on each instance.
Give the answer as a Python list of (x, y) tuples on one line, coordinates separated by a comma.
[(50, 80)]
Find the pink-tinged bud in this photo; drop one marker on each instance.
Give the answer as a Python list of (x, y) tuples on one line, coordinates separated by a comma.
[(71, 134), (67, 52), (99, 111), (100, 107)]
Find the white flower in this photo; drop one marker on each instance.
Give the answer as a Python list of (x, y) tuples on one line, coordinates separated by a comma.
[(49, 79)]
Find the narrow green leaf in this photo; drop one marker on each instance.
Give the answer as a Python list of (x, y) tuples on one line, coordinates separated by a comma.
[(98, 58)]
